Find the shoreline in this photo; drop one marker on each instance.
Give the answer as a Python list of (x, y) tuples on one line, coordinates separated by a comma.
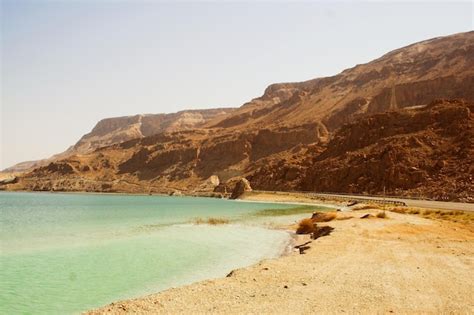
[(332, 205), (287, 250), (329, 204), (281, 284), (291, 198)]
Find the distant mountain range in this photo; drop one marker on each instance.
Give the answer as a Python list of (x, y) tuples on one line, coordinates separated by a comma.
[(120, 129), (375, 127)]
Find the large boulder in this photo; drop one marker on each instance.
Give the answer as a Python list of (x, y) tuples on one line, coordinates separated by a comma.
[(223, 188), (213, 181), (242, 186), (209, 184)]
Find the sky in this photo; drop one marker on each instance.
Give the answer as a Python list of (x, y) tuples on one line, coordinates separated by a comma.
[(67, 64)]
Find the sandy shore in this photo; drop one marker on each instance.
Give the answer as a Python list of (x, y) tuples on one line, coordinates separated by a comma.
[(401, 264)]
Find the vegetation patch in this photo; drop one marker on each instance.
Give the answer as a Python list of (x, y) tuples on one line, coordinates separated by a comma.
[(211, 221), (366, 207), (306, 226), (464, 217), (381, 215), (323, 216)]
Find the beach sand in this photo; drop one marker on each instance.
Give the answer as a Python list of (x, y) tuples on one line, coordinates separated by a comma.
[(400, 264)]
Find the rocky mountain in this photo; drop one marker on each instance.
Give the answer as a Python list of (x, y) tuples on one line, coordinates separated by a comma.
[(371, 128), (418, 152), (21, 167), (414, 75), (120, 129)]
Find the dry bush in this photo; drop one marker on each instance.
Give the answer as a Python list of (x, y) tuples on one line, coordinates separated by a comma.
[(199, 221), (405, 210), (211, 221), (452, 215), (430, 212), (214, 221), (448, 215), (399, 209), (323, 216), (306, 226), (381, 215), (366, 207)]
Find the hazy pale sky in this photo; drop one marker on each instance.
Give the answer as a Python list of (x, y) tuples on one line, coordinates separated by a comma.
[(67, 64)]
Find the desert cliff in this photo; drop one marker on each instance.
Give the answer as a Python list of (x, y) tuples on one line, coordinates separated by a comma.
[(402, 124)]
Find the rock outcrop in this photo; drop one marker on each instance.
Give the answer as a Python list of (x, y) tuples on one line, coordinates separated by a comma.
[(241, 187), (425, 152)]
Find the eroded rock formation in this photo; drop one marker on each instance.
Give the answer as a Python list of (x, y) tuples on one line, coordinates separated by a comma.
[(241, 187)]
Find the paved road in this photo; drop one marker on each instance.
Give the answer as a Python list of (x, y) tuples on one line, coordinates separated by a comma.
[(444, 205)]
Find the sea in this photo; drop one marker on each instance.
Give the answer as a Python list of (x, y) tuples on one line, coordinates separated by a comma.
[(65, 253)]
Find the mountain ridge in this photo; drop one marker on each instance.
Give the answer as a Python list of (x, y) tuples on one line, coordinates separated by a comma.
[(276, 138), (113, 130)]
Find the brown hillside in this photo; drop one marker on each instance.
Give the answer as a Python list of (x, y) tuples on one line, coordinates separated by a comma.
[(413, 75), (369, 127), (426, 152)]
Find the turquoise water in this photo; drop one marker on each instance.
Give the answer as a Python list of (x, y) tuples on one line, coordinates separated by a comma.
[(66, 253)]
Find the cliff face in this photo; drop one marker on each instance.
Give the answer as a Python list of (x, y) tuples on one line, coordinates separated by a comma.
[(369, 127), (425, 152), (167, 161)]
